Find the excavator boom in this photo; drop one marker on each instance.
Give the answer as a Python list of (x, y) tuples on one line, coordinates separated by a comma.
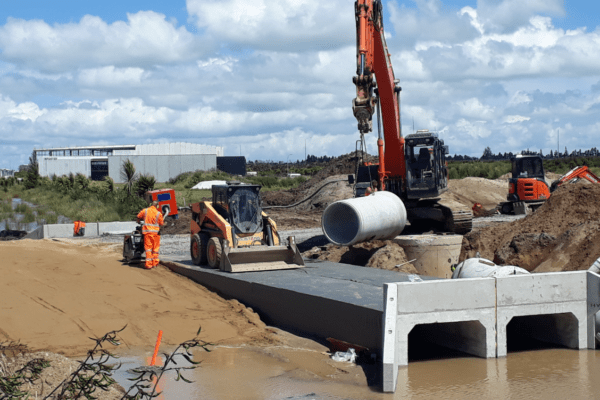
[(577, 173), (373, 61)]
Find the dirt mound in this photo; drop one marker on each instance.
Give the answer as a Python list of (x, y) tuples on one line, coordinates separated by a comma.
[(562, 235), (374, 254), (329, 190), (338, 169), (468, 191), (178, 226)]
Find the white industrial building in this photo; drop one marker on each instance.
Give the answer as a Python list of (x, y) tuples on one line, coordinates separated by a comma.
[(5, 173), (162, 160)]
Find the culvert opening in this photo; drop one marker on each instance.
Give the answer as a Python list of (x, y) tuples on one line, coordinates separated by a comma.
[(446, 340), (545, 331)]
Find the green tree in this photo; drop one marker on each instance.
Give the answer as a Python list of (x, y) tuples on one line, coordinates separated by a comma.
[(144, 184), (128, 175), (33, 173)]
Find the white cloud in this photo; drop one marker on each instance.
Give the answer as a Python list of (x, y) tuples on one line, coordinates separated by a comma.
[(509, 15), (111, 76), (289, 25), (474, 109), (270, 75), (147, 38), (511, 119)]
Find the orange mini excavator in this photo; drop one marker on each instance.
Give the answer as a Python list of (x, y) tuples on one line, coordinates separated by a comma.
[(527, 189)]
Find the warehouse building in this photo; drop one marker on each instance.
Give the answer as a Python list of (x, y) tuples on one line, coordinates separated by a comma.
[(163, 161), (6, 173)]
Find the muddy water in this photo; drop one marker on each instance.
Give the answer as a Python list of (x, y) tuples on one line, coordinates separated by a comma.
[(251, 373)]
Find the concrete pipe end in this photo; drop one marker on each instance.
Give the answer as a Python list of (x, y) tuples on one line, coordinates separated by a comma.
[(340, 224)]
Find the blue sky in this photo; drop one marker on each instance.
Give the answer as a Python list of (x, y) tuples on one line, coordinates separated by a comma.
[(271, 75)]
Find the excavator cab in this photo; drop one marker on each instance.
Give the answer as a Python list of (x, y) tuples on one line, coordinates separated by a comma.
[(426, 172)]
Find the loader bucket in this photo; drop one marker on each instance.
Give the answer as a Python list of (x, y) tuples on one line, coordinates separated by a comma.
[(261, 258)]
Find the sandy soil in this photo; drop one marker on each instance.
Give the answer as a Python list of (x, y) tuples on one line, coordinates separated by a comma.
[(55, 295)]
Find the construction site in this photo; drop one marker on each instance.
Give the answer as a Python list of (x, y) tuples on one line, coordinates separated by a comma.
[(378, 277), (291, 321)]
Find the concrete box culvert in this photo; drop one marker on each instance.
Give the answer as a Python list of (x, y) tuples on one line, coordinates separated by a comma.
[(381, 215), (434, 255), (526, 332)]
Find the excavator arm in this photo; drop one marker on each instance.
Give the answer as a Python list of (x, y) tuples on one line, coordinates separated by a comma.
[(574, 175), (375, 83)]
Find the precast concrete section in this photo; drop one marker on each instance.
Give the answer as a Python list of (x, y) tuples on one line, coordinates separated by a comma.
[(381, 215), (458, 314), (378, 309), (557, 307), (323, 299)]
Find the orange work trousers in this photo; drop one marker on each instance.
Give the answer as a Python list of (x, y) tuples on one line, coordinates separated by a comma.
[(151, 245)]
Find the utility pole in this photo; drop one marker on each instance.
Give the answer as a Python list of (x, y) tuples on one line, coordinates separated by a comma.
[(558, 144)]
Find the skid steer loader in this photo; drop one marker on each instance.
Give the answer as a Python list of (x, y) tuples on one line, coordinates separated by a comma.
[(232, 233)]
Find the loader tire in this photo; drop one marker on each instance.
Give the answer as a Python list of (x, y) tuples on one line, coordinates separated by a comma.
[(214, 251), (198, 248)]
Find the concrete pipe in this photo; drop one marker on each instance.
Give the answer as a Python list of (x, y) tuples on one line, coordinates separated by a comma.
[(482, 268), (381, 215)]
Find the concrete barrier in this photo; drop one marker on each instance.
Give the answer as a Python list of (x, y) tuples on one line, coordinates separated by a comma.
[(463, 313), (116, 227), (91, 229)]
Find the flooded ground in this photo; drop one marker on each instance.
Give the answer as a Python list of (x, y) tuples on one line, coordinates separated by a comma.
[(252, 374)]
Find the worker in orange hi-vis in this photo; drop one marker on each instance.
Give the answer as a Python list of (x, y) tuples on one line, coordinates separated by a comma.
[(78, 228), (153, 220)]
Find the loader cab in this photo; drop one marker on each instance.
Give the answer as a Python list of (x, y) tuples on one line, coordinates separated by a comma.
[(239, 204), (426, 171), (527, 182)]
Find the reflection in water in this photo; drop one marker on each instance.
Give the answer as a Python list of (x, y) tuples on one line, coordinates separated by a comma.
[(245, 373)]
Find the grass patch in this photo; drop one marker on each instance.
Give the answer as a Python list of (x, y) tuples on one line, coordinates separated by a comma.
[(29, 216), (6, 207), (21, 208)]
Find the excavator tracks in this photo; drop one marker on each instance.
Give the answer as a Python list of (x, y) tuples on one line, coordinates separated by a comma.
[(459, 222)]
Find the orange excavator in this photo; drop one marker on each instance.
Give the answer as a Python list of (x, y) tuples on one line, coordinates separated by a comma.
[(527, 188), (412, 167)]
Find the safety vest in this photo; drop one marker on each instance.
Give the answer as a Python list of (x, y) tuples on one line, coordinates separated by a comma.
[(151, 217)]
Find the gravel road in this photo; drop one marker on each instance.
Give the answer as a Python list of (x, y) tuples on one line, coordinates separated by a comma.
[(178, 246)]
